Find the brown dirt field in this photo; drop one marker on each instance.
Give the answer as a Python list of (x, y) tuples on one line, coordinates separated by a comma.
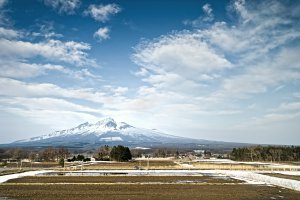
[(297, 178), (153, 164), (137, 192), (123, 179)]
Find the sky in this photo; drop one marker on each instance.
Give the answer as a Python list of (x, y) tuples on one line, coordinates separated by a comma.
[(216, 70)]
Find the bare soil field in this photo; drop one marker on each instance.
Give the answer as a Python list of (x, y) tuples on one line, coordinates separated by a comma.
[(144, 191), (124, 179)]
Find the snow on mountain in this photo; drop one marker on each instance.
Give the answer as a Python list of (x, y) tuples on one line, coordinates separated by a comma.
[(106, 130)]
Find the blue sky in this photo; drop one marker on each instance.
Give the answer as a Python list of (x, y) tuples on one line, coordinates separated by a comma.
[(218, 70)]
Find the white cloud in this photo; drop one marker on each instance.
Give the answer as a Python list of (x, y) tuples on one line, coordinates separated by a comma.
[(18, 69), (208, 11), (270, 73), (14, 88), (115, 91), (9, 33), (3, 18), (200, 21), (46, 31), (38, 101), (296, 94), (221, 68), (291, 106), (262, 55), (101, 12), (14, 69), (46, 103), (141, 72), (54, 50), (180, 61), (191, 79), (17, 59), (205, 54), (269, 119), (64, 6), (102, 33)]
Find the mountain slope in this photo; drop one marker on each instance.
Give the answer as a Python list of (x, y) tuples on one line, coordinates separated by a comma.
[(106, 131)]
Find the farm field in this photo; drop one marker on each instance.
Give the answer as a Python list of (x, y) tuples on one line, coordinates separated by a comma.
[(102, 181), (138, 191), (143, 164), (167, 164), (37, 165), (124, 179)]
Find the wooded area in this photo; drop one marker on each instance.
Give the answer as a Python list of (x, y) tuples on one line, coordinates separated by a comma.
[(266, 153)]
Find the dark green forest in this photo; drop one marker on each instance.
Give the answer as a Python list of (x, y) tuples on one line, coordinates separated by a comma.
[(120, 153), (266, 153)]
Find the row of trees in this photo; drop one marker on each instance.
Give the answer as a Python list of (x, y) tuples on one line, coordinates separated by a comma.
[(79, 158), (266, 153), (117, 153), (120, 153), (156, 152), (48, 154)]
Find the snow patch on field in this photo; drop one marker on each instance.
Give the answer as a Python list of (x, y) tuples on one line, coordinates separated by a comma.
[(19, 175), (255, 178), (292, 173)]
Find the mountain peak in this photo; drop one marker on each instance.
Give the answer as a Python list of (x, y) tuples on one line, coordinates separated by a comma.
[(83, 125), (107, 123), (105, 131)]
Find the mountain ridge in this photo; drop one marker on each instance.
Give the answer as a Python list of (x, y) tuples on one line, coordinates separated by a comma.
[(109, 130)]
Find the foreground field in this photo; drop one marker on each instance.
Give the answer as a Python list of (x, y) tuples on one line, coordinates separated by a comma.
[(145, 191), (124, 179)]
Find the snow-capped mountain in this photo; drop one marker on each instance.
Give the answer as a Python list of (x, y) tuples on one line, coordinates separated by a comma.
[(106, 131)]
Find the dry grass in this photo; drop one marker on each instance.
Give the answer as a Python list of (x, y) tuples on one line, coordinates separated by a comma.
[(153, 164), (33, 165), (229, 166)]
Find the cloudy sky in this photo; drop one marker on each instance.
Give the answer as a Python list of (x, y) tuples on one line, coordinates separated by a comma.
[(218, 70)]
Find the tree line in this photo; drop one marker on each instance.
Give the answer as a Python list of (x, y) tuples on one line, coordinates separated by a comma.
[(117, 153), (48, 154), (266, 153)]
